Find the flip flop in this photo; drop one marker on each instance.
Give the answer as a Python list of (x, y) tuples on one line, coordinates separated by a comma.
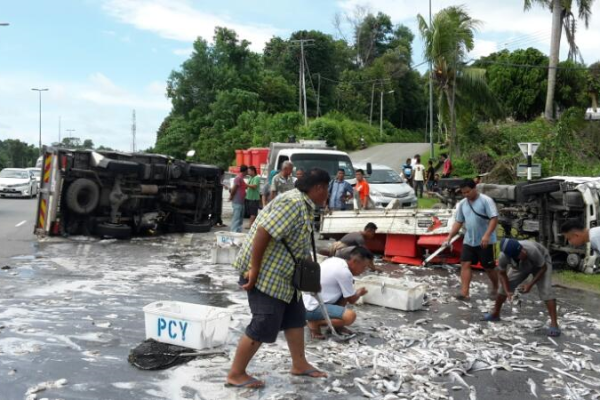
[(247, 384), (317, 336), (554, 331), (489, 318), (463, 298), (309, 373)]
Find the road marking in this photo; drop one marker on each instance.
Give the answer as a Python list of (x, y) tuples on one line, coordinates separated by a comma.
[(20, 223)]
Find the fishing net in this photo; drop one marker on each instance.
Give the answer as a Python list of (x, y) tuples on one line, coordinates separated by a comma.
[(153, 355)]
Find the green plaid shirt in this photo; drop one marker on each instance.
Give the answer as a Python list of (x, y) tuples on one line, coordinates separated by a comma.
[(289, 216)]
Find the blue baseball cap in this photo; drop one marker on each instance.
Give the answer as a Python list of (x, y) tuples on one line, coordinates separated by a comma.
[(511, 247)]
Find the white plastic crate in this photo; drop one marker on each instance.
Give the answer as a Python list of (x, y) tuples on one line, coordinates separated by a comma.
[(186, 324), (393, 293), (224, 255), (227, 239)]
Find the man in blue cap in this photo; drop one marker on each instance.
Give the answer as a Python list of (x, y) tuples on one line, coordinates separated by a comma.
[(522, 259)]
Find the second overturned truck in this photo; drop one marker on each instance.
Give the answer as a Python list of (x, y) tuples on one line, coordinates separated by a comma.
[(119, 195)]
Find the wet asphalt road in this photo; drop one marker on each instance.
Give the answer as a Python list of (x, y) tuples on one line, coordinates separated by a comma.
[(17, 218), (74, 311)]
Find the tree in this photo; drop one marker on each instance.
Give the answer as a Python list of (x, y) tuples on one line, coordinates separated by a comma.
[(17, 154), (520, 91), (562, 15), (448, 40), (593, 84)]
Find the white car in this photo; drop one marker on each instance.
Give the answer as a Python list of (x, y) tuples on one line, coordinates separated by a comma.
[(37, 174), (386, 185), (17, 182)]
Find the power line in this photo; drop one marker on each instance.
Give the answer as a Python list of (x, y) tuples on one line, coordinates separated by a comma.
[(507, 64)]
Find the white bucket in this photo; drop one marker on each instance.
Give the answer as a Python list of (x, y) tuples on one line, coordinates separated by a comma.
[(224, 255), (186, 324), (393, 293), (227, 239)]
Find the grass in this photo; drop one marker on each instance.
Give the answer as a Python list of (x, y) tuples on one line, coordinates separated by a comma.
[(427, 202), (578, 280)]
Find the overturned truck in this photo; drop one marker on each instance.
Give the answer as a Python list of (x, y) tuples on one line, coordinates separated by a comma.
[(119, 195)]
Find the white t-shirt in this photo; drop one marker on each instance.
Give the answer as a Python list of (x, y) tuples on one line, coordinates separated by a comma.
[(419, 172), (595, 239), (336, 282)]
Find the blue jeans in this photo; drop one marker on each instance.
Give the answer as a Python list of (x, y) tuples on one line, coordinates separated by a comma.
[(334, 311), (237, 220)]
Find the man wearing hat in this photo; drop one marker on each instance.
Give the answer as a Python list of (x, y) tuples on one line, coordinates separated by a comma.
[(522, 259)]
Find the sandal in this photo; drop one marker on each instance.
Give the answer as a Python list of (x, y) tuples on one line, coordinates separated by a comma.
[(489, 317), (311, 373), (316, 335), (251, 383), (554, 331), (462, 297)]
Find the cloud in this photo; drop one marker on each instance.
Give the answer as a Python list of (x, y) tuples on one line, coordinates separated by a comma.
[(483, 48), (179, 20), (97, 108)]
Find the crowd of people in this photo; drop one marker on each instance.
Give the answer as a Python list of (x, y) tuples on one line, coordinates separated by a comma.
[(266, 267)]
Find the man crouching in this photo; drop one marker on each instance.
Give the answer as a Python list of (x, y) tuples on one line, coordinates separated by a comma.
[(337, 290), (525, 258)]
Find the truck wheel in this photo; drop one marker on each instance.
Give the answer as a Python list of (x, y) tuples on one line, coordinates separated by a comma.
[(117, 231), (196, 228), (541, 187), (83, 196)]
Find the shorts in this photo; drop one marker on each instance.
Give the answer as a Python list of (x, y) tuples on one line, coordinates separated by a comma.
[(479, 255), (334, 311), (271, 315), (517, 277), (252, 206)]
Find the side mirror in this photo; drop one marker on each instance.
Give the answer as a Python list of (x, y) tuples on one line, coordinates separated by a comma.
[(369, 168), (191, 153)]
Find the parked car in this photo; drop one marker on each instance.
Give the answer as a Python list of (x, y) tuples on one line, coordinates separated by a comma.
[(37, 174), (17, 182), (387, 185)]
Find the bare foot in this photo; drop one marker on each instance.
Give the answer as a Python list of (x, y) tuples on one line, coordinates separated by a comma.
[(244, 381)]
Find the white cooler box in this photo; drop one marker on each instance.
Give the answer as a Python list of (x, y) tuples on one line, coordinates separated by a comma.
[(228, 239), (186, 324), (393, 293)]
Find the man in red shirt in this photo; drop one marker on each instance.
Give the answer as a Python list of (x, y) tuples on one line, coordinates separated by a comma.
[(237, 196), (447, 171), (362, 188)]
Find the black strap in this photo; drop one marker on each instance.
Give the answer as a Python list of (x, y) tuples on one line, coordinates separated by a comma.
[(314, 248), (476, 213)]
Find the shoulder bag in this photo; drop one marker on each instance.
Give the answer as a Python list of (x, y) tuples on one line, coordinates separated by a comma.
[(476, 213), (307, 273)]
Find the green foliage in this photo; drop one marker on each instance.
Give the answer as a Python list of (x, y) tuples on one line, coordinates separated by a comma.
[(17, 154)]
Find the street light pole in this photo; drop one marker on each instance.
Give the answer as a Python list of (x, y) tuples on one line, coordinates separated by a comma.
[(431, 149), (40, 93), (70, 132), (4, 24), (381, 114)]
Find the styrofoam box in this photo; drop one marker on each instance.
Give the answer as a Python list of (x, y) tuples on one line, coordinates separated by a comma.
[(224, 255), (393, 293), (226, 239), (186, 324)]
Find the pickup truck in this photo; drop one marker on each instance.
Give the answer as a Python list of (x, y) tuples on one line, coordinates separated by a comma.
[(114, 194)]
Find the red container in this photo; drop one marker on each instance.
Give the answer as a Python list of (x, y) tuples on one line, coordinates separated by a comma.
[(262, 156), (247, 157), (239, 157)]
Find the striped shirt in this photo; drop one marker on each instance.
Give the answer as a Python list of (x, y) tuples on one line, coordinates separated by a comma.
[(289, 217)]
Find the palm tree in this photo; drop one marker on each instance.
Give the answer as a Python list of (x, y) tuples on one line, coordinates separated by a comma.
[(562, 15), (447, 42)]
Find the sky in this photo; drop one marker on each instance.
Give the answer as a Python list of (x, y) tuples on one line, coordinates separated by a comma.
[(102, 59)]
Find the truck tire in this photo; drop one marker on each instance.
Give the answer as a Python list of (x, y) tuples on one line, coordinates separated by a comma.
[(83, 196), (117, 231), (541, 187), (196, 228)]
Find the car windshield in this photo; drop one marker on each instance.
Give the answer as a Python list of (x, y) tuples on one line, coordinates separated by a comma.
[(36, 172), (384, 176), (7, 173), (331, 163)]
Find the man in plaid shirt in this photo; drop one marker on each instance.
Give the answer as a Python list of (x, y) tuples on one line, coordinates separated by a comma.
[(266, 271)]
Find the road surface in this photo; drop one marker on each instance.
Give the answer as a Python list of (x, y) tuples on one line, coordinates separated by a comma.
[(391, 154), (16, 228)]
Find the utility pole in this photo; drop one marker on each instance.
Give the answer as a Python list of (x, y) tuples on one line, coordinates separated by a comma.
[(133, 132), (40, 93), (431, 149), (70, 132), (372, 99), (381, 112), (59, 129), (302, 79), (318, 95)]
